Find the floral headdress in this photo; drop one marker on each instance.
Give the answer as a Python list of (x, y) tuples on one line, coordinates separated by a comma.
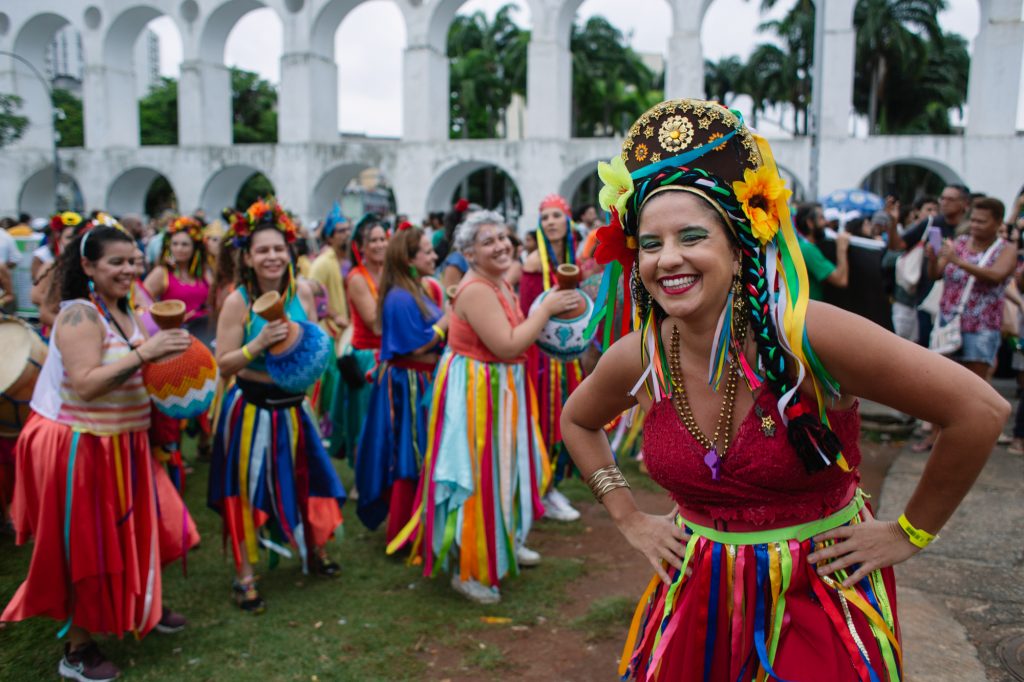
[(194, 229), (548, 257), (262, 211), (705, 149), (60, 222), (188, 225)]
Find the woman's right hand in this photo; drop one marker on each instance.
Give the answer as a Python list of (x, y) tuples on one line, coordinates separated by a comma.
[(658, 538), (560, 302), (272, 332), (163, 343)]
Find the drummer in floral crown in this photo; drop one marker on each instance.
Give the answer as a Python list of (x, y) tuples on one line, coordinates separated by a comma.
[(270, 477), (771, 563)]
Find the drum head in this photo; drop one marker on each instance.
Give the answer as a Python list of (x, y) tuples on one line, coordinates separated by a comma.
[(16, 340)]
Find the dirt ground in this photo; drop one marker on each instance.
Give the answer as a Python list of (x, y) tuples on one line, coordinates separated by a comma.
[(553, 650)]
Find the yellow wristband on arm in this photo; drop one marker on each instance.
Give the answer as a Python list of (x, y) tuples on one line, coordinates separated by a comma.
[(918, 538), (440, 332), (247, 353)]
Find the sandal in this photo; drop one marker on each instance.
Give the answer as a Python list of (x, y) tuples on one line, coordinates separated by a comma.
[(321, 564), (247, 597)]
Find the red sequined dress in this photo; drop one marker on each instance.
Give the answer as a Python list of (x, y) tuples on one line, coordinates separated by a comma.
[(749, 603)]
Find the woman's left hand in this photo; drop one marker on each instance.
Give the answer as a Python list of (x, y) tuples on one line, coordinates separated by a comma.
[(948, 252), (872, 544)]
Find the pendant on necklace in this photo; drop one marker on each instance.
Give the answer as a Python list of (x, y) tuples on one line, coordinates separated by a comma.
[(767, 423), (713, 462)]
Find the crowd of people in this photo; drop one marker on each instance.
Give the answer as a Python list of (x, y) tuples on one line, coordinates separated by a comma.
[(438, 360)]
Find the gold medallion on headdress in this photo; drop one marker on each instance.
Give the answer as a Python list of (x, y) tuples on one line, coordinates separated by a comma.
[(682, 132)]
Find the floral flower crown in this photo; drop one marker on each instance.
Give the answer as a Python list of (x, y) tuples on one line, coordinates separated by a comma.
[(188, 225), (262, 211)]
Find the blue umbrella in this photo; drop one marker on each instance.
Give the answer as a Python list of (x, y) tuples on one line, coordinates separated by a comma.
[(847, 201)]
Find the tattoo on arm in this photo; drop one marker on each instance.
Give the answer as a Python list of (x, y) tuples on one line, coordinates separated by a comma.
[(78, 314)]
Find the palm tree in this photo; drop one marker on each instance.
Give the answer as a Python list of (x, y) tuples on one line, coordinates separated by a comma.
[(724, 79), (891, 33)]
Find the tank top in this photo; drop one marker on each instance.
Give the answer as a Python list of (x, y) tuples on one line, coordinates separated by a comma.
[(763, 483), (464, 341), (255, 324), (363, 337), (124, 409), (193, 295)]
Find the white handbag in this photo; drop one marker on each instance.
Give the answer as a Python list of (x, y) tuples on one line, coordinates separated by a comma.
[(946, 337)]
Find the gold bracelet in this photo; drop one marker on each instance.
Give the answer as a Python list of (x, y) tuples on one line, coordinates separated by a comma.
[(918, 538), (440, 332), (142, 360), (605, 480), (247, 353)]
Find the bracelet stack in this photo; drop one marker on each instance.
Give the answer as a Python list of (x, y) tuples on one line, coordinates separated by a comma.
[(918, 538), (605, 480)]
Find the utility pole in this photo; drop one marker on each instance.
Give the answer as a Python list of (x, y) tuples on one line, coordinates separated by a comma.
[(57, 203), (817, 93)]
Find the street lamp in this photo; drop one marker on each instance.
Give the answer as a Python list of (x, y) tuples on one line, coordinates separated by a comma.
[(57, 115)]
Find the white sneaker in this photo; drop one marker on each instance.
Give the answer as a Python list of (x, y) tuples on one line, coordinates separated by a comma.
[(527, 557), (557, 507), (474, 591)]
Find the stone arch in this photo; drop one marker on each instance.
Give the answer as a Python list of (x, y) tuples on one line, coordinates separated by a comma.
[(221, 189), (331, 184), (121, 124), (937, 166), (127, 192), (575, 178), (875, 176), (793, 182), (444, 184), (31, 42), (37, 192), (213, 36)]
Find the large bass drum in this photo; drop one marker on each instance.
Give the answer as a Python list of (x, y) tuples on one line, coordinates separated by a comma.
[(23, 358)]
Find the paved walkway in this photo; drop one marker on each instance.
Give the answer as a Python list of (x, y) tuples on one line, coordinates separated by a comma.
[(965, 593)]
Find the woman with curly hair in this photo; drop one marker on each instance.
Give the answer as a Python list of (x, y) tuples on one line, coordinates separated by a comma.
[(270, 477), (86, 490), (771, 562)]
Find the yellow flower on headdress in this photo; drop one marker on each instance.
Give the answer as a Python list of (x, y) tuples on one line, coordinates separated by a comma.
[(618, 185), (763, 195)]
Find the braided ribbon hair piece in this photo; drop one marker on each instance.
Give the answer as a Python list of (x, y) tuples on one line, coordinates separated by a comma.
[(704, 149)]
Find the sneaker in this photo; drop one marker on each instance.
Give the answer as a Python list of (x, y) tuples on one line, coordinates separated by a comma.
[(86, 664), (557, 507), (170, 622), (474, 591), (1004, 439), (527, 557)]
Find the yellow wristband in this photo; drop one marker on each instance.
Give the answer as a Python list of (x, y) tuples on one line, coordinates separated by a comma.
[(247, 353), (918, 538), (440, 332)]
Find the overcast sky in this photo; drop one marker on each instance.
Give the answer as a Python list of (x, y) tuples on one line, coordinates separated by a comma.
[(369, 43)]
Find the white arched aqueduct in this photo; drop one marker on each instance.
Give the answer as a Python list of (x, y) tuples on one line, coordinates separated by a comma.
[(311, 162)]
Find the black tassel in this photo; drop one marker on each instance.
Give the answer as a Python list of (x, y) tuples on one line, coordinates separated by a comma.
[(811, 439)]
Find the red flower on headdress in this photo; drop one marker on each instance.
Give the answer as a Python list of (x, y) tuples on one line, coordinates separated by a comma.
[(405, 225), (462, 205), (188, 225), (613, 244)]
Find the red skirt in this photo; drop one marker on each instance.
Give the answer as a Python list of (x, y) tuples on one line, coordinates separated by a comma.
[(104, 520)]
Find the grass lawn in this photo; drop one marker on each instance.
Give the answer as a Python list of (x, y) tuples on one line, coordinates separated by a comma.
[(368, 624)]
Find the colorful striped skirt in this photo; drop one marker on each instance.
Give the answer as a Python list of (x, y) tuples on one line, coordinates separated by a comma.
[(349, 404), (104, 520), (749, 606), (269, 464), (483, 473), (555, 380), (392, 445)]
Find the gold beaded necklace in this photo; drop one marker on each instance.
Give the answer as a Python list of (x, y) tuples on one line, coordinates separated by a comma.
[(714, 455)]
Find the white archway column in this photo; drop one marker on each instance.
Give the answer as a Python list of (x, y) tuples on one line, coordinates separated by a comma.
[(204, 104), (109, 120), (35, 104), (307, 102), (425, 105), (996, 69), (684, 69), (549, 72), (839, 48)]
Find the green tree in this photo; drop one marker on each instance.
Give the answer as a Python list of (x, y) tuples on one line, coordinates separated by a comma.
[(611, 84), (158, 113), (12, 126), (254, 107), (487, 65), (256, 187), (893, 41), (725, 79), (793, 63), (70, 126)]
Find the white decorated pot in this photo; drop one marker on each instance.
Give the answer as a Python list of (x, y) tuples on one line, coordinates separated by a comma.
[(563, 338)]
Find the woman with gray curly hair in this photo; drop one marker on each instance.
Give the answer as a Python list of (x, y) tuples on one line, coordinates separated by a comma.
[(479, 494)]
